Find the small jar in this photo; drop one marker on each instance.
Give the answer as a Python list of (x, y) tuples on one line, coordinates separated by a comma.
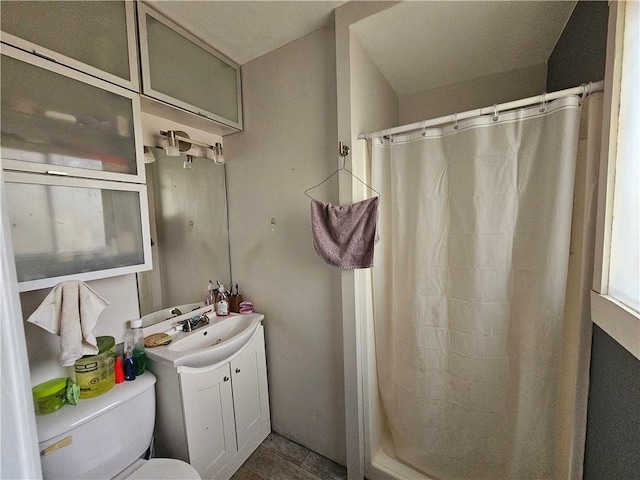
[(49, 396)]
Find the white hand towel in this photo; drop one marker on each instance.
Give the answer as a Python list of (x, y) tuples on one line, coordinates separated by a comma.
[(71, 310)]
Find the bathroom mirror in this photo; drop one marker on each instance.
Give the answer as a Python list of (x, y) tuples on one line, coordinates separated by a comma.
[(189, 231)]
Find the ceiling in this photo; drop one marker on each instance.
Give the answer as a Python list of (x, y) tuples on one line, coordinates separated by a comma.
[(244, 30), (417, 45)]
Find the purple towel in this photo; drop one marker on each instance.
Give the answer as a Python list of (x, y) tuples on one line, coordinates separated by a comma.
[(344, 235)]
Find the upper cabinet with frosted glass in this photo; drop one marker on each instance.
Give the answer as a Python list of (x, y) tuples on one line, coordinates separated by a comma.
[(57, 120), (181, 70), (66, 228), (95, 37)]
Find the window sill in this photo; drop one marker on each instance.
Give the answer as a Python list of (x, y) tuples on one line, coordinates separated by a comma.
[(617, 320)]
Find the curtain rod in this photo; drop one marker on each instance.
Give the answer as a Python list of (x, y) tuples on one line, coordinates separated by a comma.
[(583, 90)]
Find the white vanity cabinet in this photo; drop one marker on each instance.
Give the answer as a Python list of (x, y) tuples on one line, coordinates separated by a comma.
[(96, 37), (214, 417), (181, 70)]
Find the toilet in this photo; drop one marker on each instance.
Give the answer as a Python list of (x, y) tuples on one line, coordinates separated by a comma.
[(107, 437)]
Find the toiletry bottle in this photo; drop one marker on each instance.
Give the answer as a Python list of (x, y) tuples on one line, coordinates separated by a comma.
[(129, 367), (211, 294), (222, 305), (134, 345), (118, 370)]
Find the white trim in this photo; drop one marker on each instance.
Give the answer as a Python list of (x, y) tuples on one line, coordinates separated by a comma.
[(618, 321), (132, 44), (20, 456), (606, 178)]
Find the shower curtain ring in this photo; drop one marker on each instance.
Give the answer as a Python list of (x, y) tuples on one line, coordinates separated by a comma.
[(496, 117), (388, 135), (424, 128), (543, 103), (586, 91), (455, 121)]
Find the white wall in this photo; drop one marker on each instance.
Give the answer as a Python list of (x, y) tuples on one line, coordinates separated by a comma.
[(374, 104), (476, 93), (289, 144)]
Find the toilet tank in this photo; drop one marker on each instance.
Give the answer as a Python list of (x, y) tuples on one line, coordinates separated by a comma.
[(101, 436)]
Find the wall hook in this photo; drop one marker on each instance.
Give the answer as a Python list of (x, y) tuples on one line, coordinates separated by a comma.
[(343, 149)]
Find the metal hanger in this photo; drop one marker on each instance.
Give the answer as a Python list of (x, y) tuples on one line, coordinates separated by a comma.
[(343, 152)]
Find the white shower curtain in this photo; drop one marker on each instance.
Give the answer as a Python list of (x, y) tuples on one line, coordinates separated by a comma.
[(469, 290)]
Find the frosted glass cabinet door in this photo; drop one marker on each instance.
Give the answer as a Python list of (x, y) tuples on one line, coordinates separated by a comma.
[(56, 119), (64, 228), (96, 37), (181, 70)]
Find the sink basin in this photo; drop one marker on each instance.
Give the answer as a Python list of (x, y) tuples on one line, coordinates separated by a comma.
[(219, 330), (214, 343)]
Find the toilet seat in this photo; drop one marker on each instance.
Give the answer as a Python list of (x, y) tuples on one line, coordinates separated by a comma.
[(164, 469)]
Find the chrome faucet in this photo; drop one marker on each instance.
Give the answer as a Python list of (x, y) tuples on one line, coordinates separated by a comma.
[(194, 323), (175, 312)]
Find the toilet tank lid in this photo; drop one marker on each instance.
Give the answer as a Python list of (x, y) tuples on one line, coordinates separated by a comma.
[(72, 416)]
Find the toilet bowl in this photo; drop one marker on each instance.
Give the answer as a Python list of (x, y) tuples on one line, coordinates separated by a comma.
[(107, 437)]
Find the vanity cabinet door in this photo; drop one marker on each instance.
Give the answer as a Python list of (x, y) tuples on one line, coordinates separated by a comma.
[(96, 37), (183, 71), (250, 390), (57, 120), (207, 403)]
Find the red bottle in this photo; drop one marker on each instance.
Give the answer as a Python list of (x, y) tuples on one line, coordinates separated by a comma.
[(119, 371)]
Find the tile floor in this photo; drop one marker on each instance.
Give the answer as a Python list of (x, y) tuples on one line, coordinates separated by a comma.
[(280, 459)]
